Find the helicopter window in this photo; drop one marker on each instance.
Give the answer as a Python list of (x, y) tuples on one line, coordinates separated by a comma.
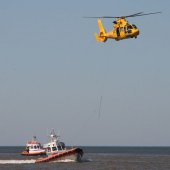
[(134, 26), (129, 27)]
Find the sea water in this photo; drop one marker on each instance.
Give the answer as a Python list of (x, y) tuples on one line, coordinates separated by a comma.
[(94, 158)]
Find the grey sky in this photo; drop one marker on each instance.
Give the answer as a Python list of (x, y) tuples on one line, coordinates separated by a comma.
[(53, 73)]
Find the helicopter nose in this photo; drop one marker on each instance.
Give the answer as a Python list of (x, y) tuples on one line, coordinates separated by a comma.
[(137, 32)]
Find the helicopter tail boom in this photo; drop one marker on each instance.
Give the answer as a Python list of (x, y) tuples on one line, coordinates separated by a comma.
[(102, 32)]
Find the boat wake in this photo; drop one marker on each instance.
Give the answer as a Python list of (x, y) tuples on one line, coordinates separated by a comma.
[(29, 161), (17, 161), (86, 160), (32, 161), (65, 160)]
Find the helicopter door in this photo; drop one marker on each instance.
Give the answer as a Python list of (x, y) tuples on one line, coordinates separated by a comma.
[(125, 29), (122, 32), (118, 32)]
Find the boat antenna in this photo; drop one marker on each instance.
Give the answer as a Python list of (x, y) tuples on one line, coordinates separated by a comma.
[(34, 138)]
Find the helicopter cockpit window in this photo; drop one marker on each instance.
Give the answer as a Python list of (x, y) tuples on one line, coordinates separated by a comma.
[(134, 26), (129, 27)]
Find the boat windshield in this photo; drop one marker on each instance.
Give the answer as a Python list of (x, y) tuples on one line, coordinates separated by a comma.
[(54, 148)]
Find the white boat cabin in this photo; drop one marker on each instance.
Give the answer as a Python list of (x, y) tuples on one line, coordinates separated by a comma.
[(54, 145)]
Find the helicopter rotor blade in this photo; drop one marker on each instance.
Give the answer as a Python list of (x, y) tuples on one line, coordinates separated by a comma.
[(114, 16), (126, 16), (101, 17), (138, 15), (132, 15)]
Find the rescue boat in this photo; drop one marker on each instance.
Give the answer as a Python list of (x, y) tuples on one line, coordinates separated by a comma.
[(33, 148), (56, 151), (74, 154)]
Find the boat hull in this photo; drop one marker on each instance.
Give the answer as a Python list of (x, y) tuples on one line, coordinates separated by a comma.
[(74, 154), (25, 153)]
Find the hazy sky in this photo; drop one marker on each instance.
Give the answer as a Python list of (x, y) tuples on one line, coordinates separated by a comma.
[(53, 73)]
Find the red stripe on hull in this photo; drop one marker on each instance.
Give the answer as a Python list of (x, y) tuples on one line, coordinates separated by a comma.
[(57, 156)]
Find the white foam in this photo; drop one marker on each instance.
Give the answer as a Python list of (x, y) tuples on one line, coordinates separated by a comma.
[(89, 160), (86, 160), (17, 161), (64, 160)]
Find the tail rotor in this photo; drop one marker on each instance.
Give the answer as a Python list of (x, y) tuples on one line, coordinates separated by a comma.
[(102, 37)]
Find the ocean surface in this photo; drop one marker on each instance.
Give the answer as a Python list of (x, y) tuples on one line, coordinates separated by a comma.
[(94, 158)]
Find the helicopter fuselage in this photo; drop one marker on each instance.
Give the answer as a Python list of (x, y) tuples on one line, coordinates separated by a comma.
[(121, 33), (121, 30)]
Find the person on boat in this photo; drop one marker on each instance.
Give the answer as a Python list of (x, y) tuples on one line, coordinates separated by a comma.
[(27, 149)]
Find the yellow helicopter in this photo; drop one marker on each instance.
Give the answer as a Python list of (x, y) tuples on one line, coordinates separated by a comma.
[(122, 29)]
